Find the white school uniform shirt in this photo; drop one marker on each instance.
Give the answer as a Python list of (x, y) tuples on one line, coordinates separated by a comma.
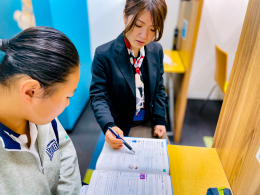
[(23, 141), (46, 167)]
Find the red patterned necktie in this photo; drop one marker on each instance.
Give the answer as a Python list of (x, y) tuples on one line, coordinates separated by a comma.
[(139, 84)]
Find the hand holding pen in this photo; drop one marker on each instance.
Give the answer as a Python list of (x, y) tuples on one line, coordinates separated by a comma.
[(120, 138), (112, 140)]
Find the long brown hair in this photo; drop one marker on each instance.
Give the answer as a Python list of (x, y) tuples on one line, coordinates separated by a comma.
[(157, 8)]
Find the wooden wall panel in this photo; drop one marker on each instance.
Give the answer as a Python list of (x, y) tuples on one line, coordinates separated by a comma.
[(237, 136), (188, 12), (191, 11)]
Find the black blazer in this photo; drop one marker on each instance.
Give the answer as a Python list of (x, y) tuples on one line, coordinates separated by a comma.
[(112, 90)]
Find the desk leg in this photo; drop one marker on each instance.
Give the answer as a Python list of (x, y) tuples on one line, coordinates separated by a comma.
[(171, 101)]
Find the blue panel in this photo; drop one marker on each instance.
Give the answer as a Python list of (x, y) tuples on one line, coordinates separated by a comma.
[(99, 146), (8, 26), (42, 13), (71, 18)]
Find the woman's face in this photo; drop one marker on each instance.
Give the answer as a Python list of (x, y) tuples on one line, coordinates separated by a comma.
[(143, 31), (42, 111)]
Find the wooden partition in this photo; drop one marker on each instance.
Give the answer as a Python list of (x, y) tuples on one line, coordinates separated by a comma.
[(190, 11), (237, 136)]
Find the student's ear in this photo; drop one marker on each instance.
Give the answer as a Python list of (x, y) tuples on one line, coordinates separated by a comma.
[(30, 89), (125, 19)]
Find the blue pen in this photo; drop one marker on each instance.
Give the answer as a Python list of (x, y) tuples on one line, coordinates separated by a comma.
[(124, 142)]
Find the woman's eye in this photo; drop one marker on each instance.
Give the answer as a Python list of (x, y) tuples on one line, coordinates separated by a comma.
[(152, 30), (138, 26)]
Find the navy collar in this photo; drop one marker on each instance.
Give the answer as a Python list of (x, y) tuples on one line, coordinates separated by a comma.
[(8, 142)]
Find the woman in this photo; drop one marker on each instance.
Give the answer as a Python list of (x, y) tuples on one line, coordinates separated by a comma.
[(39, 72), (127, 85)]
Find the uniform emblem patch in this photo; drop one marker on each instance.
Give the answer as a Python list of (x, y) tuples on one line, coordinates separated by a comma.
[(51, 148)]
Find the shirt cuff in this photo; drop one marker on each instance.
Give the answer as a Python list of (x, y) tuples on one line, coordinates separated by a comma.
[(159, 120), (111, 124)]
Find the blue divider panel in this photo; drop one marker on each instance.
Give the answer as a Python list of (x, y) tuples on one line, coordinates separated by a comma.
[(8, 26), (99, 146), (71, 18)]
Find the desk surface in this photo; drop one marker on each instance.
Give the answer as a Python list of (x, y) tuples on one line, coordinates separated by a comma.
[(194, 170), (177, 65)]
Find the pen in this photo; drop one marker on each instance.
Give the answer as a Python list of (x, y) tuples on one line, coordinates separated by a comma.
[(124, 142)]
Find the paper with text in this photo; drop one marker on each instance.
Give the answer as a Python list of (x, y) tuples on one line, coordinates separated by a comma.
[(118, 183), (151, 156)]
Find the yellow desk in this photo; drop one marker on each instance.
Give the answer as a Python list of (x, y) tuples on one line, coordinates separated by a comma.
[(194, 170), (177, 65)]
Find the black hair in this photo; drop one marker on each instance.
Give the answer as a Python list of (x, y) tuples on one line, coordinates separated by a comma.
[(43, 53), (157, 8)]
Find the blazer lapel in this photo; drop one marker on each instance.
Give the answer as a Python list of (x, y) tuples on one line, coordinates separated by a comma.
[(152, 68), (123, 62)]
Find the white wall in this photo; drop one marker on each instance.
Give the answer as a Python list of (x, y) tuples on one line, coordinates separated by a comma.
[(106, 21), (173, 7), (221, 23)]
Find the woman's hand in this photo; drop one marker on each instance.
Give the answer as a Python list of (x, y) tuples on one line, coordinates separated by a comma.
[(159, 130), (112, 140)]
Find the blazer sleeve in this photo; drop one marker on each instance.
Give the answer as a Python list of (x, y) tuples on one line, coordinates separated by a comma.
[(99, 95), (159, 105), (70, 180)]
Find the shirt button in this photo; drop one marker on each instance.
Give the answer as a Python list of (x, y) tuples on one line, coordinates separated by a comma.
[(152, 106)]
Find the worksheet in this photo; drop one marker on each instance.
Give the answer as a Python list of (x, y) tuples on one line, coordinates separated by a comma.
[(122, 172), (118, 183), (151, 156)]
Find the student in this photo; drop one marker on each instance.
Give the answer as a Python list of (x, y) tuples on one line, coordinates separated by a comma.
[(39, 72), (127, 89)]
